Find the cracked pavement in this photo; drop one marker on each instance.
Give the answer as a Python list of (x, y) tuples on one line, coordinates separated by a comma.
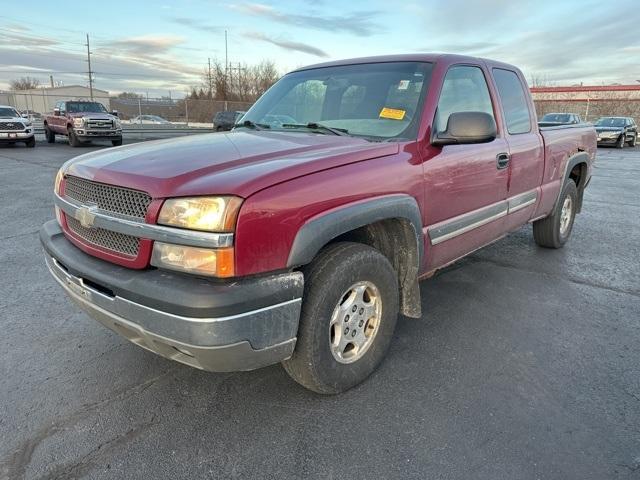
[(525, 365)]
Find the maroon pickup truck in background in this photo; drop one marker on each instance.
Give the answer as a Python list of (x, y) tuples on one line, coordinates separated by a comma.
[(300, 236), (81, 122)]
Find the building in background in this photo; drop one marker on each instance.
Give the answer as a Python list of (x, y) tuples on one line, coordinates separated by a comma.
[(43, 99), (590, 102)]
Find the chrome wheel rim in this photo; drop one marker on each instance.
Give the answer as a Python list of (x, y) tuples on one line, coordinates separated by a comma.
[(565, 216), (355, 322)]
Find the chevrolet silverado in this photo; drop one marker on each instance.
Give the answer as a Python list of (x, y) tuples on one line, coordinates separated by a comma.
[(302, 234)]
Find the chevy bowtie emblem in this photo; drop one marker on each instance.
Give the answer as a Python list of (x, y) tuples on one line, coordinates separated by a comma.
[(86, 216)]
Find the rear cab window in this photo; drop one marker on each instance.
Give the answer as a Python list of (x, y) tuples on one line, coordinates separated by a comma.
[(514, 101)]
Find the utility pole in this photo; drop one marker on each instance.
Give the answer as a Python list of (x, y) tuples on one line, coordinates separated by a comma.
[(226, 68), (51, 80), (210, 78), (90, 72)]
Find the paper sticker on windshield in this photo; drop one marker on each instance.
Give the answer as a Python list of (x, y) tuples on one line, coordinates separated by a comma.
[(403, 85), (392, 113)]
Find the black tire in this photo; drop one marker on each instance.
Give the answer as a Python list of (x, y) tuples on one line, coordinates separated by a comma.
[(620, 143), (51, 137), (547, 232), (116, 143), (327, 279), (73, 139), (31, 142), (634, 140)]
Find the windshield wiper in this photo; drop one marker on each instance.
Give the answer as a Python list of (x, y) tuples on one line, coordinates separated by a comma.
[(318, 126), (252, 125)]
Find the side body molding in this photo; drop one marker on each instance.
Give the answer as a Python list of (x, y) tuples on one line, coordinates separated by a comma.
[(319, 231)]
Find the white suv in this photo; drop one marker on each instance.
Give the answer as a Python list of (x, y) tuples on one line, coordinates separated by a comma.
[(15, 128)]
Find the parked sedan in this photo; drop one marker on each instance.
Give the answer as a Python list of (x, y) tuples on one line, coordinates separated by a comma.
[(553, 119), (617, 131), (150, 119)]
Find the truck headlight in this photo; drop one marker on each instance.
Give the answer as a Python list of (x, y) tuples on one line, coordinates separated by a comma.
[(58, 181), (118, 123), (194, 260), (56, 188), (209, 214), (78, 122)]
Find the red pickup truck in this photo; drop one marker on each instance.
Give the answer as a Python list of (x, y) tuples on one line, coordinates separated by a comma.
[(82, 121), (300, 236)]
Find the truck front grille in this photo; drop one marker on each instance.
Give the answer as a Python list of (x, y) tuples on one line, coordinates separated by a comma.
[(98, 124), (109, 198), (11, 126), (114, 241)]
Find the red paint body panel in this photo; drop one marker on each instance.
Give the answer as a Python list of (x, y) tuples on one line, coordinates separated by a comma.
[(288, 179)]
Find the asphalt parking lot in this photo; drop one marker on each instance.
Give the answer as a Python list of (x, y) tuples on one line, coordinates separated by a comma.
[(526, 365)]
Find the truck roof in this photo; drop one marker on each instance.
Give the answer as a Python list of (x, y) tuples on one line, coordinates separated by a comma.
[(410, 57)]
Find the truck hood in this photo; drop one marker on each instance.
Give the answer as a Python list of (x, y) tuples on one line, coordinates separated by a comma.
[(609, 129), (97, 116), (235, 163)]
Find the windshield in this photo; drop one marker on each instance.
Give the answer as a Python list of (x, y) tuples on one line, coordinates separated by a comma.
[(556, 117), (610, 122), (6, 112), (377, 101), (91, 107)]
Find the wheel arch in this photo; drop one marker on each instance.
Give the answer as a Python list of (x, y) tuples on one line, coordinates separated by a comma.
[(577, 168), (392, 224)]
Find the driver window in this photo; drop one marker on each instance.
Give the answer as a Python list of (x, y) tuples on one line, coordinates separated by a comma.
[(305, 101), (464, 90)]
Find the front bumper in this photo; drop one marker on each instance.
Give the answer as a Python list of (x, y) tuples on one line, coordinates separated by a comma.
[(13, 136), (87, 134), (211, 325)]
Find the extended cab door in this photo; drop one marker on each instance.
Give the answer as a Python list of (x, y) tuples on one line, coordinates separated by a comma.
[(526, 149), (465, 185)]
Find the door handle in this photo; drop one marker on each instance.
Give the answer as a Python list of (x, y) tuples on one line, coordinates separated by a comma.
[(502, 160)]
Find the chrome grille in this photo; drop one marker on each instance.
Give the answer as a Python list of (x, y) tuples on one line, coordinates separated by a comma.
[(11, 126), (119, 200), (97, 123), (114, 241)]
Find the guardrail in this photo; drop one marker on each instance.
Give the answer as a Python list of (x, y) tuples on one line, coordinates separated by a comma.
[(129, 129)]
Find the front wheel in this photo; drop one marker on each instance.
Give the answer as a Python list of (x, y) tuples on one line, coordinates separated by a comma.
[(620, 142), (632, 142), (348, 317), (116, 143), (554, 230), (73, 139), (31, 142)]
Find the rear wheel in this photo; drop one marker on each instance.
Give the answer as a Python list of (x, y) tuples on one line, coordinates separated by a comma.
[(73, 139), (348, 317), (31, 142), (51, 137), (554, 230)]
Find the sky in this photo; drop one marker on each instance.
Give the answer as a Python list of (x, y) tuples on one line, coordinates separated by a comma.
[(162, 46)]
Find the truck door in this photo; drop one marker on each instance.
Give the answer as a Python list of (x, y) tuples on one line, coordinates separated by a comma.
[(465, 185), (526, 150)]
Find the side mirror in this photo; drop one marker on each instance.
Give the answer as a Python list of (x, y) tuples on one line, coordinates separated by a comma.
[(56, 112), (467, 127), (114, 113), (25, 115)]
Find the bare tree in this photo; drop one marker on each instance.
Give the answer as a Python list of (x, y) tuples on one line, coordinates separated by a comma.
[(129, 95), (24, 83)]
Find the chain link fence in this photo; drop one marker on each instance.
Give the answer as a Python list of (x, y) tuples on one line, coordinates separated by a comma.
[(187, 111)]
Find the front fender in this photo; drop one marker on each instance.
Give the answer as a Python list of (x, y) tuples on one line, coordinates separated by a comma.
[(321, 229)]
